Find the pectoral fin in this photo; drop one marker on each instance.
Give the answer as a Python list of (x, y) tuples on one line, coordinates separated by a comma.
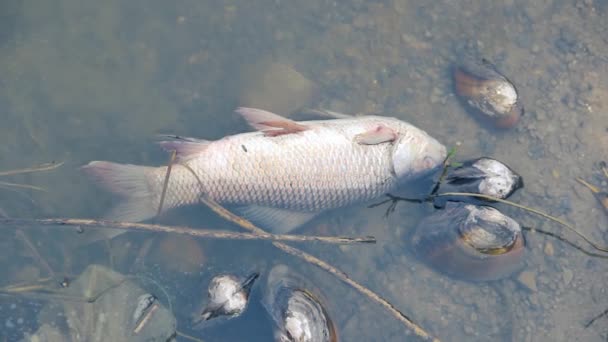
[(379, 135), (276, 220), (271, 124)]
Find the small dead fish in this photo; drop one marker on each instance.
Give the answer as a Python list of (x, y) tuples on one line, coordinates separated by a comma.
[(292, 171), (227, 296)]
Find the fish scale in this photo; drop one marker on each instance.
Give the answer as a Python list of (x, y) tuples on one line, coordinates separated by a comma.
[(286, 178), (319, 189)]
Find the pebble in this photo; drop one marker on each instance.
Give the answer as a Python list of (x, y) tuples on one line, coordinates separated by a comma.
[(549, 251), (276, 87), (568, 276), (468, 330), (528, 279)]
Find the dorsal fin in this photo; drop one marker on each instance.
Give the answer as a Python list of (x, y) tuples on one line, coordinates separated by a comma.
[(184, 147), (326, 113), (269, 123)]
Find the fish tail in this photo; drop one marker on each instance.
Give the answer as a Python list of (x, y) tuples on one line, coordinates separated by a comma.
[(131, 183)]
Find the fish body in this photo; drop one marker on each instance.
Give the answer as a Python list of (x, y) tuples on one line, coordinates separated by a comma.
[(285, 173)]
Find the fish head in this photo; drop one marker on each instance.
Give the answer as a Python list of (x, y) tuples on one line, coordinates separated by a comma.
[(416, 154)]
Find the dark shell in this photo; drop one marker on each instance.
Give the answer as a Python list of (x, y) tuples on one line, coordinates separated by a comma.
[(469, 242), (297, 309), (484, 176), (488, 92)]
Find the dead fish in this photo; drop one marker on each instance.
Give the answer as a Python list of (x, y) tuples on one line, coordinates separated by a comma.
[(288, 173)]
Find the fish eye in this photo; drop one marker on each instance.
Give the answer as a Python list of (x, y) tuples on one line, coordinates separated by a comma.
[(428, 162)]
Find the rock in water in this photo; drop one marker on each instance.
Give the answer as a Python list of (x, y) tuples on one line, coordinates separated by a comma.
[(276, 87)]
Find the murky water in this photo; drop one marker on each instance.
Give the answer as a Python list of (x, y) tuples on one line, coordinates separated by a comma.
[(97, 80)]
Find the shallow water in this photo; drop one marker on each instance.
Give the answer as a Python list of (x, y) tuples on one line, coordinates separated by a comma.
[(89, 80)]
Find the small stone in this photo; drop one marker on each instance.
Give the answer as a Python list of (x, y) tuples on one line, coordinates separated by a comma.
[(549, 249), (528, 279), (533, 300), (468, 330), (535, 48), (568, 275), (276, 87)]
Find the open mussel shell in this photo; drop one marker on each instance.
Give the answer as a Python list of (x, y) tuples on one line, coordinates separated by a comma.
[(227, 297), (485, 176), (469, 242), (490, 94), (297, 309)]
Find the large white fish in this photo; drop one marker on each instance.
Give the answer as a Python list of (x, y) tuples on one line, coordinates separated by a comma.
[(282, 175)]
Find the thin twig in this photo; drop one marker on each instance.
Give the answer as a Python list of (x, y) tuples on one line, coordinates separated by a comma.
[(188, 337), (41, 290), (444, 169), (246, 224), (591, 187), (43, 167), (591, 321), (28, 243), (202, 233), (166, 182), (566, 241), (22, 186)]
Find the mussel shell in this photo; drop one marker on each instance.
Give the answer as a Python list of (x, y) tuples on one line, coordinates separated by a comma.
[(488, 92), (227, 297), (469, 242), (484, 176), (297, 309)]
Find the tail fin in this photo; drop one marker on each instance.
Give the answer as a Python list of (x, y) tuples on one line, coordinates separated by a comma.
[(131, 183)]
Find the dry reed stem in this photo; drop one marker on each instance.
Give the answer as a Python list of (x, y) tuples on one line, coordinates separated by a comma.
[(202, 233)]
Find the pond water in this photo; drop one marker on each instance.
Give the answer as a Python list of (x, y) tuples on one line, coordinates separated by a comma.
[(92, 80)]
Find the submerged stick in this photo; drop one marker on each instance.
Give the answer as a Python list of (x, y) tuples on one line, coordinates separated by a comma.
[(246, 224), (35, 254), (22, 186), (591, 321), (39, 168), (564, 240), (166, 182), (203, 233)]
